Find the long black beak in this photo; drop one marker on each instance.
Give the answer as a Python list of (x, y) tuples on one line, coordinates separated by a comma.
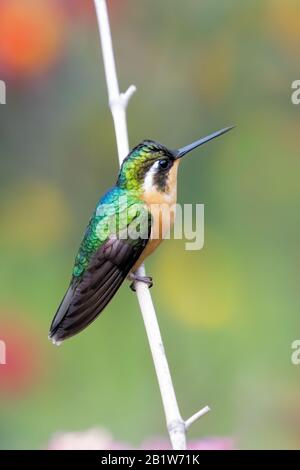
[(184, 150)]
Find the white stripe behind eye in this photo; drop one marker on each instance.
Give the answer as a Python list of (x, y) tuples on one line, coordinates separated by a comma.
[(148, 181)]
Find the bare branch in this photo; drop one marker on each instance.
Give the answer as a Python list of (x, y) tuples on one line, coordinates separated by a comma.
[(118, 104)]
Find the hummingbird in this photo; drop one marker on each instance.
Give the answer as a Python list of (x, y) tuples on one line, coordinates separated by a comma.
[(125, 228)]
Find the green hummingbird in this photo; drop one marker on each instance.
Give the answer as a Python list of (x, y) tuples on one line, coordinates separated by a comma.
[(124, 229)]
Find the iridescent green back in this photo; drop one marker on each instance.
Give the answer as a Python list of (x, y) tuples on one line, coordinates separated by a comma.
[(115, 210)]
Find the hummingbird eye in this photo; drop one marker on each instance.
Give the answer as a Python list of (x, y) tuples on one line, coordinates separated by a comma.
[(164, 164)]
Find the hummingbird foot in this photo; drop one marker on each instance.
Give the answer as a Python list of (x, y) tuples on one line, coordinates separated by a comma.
[(135, 277)]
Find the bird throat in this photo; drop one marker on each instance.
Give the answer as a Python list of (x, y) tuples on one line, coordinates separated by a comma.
[(162, 206), (154, 194)]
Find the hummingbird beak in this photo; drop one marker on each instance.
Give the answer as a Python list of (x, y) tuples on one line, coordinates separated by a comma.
[(184, 150)]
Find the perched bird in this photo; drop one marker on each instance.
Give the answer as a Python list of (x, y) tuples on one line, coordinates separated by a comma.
[(124, 229)]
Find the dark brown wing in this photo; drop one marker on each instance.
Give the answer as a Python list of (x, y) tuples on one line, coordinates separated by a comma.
[(85, 299)]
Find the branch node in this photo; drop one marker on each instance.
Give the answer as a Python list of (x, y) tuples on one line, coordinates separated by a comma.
[(125, 97), (121, 100), (176, 425), (115, 102)]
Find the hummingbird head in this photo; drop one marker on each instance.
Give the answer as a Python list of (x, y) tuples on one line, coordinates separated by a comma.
[(150, 166)]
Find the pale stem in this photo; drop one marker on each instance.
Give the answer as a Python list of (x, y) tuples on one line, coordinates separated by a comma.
[(118, 103)]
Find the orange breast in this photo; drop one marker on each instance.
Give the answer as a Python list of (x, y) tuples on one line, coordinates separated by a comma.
[(162, 207)]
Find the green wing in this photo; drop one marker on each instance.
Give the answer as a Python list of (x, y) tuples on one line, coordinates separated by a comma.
[(101, 266)]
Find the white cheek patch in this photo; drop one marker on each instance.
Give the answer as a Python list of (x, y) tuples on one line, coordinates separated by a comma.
[(149, 178)]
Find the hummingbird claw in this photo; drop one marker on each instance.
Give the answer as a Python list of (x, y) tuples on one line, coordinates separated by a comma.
[(146, 279)]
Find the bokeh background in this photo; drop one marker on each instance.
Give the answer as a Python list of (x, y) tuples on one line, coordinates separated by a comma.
[(229, 312)]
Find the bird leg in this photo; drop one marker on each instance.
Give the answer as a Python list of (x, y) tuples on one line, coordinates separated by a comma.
[(135, 277)]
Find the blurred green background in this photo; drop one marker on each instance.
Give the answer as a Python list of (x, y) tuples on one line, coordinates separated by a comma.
[(229, 312)]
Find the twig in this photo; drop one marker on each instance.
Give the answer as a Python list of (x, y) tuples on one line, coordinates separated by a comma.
[(196, 416), (118, 103)]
